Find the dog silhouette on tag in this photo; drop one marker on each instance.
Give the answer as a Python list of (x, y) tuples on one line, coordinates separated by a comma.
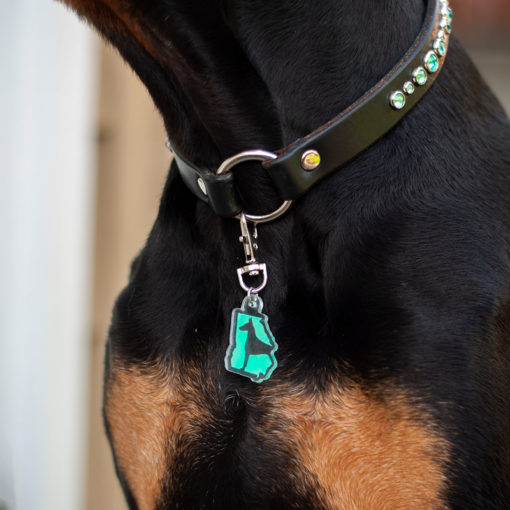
[(252, 345)]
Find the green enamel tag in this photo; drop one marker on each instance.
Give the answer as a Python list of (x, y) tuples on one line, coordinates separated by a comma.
[(252, 345)]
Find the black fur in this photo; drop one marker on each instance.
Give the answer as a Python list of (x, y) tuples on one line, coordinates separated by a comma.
[(396, 266)]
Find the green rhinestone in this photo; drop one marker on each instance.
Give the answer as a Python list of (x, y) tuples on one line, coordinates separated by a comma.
[(408, 88), (445, 25), (420, 76), (397, 100), (440, 47), (431, 62)]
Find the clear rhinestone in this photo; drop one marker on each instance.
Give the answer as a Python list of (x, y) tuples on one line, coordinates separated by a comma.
[(420, 76), (441, 35), (408, 88), (397, 100), (431, 62)]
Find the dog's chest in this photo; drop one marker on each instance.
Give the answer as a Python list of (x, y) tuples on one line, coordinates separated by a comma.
[(183, 440)]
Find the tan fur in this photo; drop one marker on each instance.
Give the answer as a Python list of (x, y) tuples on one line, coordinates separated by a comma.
[(149, 412), (365, 453), (358, 451)]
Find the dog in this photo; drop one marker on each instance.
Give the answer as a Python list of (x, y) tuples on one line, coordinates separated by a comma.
[(388, 281)]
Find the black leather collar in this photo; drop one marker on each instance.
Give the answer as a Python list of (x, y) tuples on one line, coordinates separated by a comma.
[(348, 134)]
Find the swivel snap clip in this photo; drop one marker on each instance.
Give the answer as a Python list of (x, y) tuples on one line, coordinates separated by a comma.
[(252, 346), (252, 267)]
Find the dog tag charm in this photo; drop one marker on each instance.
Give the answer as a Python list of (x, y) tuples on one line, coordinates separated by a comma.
[(252, 345)]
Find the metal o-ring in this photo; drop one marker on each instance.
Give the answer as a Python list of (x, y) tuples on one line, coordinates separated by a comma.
[(254, 155)]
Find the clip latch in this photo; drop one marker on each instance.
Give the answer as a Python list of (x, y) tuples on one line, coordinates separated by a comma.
[(249, 246)]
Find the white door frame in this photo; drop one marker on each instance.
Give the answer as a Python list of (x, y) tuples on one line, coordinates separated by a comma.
[(47, 179)]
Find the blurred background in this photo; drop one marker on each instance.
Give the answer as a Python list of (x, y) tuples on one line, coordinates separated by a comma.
[(83, 166)]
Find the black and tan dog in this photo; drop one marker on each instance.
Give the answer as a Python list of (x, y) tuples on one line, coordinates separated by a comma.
[(389, 286)]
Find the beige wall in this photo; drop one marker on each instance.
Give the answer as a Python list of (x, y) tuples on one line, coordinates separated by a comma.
[(132, 166)]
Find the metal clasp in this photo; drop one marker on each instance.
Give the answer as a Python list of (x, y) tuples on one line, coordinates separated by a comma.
[(252, 267), (246, 238)]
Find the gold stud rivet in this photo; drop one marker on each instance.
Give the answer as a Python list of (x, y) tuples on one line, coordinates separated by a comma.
[(310, 160), (201, 185)]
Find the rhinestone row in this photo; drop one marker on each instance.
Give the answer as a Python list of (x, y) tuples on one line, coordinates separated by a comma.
[(419, 75)]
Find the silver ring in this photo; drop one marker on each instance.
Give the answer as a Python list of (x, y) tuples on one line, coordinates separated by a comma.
[(254, 155)]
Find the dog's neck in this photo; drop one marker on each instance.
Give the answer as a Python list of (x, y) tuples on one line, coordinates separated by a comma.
[(248, 74), (255, 83)]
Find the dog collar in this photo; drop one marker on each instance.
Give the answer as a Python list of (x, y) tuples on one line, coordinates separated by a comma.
[(297, 167)]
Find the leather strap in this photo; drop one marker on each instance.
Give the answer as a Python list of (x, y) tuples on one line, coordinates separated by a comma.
[(342, 138), (220, 191)]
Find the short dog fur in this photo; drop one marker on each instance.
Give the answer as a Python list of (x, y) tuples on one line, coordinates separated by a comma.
[(389, 290)]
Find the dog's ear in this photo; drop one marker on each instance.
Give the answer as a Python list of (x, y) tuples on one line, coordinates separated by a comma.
[(212, 100)]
